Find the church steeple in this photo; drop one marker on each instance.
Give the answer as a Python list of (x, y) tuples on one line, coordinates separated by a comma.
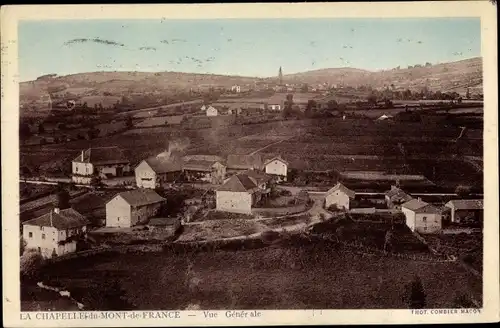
[(280, 76)]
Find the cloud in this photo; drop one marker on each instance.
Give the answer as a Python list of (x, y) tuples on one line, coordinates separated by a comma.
[(147, 48), (95, 40)]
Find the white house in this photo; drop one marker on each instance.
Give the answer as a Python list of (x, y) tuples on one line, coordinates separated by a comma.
[(212, 111), (103, 162), (242, 191), (130, 208), (339, 196), (236, 88), (55, 233), (278, 167), (422, 217), (274, 107), (155, 171)]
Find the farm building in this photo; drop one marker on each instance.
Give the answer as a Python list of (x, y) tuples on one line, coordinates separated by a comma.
[(206, 168), (153, 172), (422, 217), (242, 191), (340, 196), (465, 210), (395, 197), (102, 162), (239, 163), (55, 233), (277, 167), (129, 208), (212, 111), (171, 225)]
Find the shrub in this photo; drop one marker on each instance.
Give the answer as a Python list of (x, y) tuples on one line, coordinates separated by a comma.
[(30, 265)]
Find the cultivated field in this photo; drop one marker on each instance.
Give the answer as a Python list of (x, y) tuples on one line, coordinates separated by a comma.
[(310, 276)]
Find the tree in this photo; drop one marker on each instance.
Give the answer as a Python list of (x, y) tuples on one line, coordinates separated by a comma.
[(287, 111), (372, 99), (85, 105), (30, 264), (304, 87), (463, 191), (311, 107), (24, 130), (22, 245), (63, 198), (129, 122), (41, 128), (332, 105), (414, 295), (467, 94)]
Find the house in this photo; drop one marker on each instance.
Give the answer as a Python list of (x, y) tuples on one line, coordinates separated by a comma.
[(274, 107), (236, 88), (463, 210), (242, 191), (240, 163), (171, 225), (278, 167), (340, 196), (130, 208), (395, 197), (55, 233), (205, 168), (104, 162), (153, 172), (212, 111), (422, 217)]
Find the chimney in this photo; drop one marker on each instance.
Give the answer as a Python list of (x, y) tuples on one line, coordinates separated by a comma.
[(82, 155)]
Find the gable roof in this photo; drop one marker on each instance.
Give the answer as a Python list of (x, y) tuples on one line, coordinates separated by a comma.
[(244, 162), (204, 166), (343, 189), (164, 164), (66, 219), (238, 183), (278, 158), (141, 197), (102, 156), (466, 204), (419, 206), (397, 194)]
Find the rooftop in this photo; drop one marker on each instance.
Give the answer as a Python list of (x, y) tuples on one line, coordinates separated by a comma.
[(239, 183), (66, 219), (466, 204), (419, 206), (343, 189), (244, 162), (102, 156), (164, 164), (140, 197)]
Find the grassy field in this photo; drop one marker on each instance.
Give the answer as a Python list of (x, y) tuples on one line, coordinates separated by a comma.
[(314, 276)]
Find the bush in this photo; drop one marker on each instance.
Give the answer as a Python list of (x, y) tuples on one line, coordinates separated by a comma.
[(30, 265)]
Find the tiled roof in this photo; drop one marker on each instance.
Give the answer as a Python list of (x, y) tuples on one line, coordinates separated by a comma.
[(343, 189), (419, 206), (102, 156), (278, 158), (238, 183), (140, 197), (204, 166), (397, 194), (466, 204), (164, 165), (66, 219), (244, 162)]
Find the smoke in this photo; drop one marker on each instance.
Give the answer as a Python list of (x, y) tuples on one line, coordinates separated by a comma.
[(175, 146)]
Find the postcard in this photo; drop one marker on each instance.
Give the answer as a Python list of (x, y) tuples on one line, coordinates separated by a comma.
[(249, 164)]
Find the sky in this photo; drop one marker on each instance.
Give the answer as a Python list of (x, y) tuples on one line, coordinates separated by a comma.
[(245, 47)]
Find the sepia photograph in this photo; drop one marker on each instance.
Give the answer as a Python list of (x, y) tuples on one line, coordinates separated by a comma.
[(250, 164)]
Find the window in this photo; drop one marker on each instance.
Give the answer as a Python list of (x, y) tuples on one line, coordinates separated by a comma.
[(76, 169), (43, 236), (424, 219), (41, 228), (30, 234)]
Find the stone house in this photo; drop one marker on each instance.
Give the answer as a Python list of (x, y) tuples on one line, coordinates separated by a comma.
[(153, 172), (55, 233), (103, 162), (395, 197), (340, 196), (422, 217), (130, 208), (465, 210), (242, 191), (277, 167)]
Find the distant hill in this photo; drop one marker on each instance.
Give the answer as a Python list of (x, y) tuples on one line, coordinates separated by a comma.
[(455, 76)]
